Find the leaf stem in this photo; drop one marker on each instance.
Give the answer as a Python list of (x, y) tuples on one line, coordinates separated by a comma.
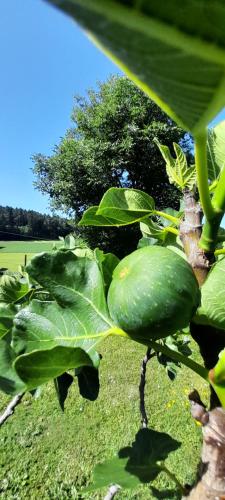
[(171, 218), (213, 209), (177, 356), (171, 230), (202, 174), (220, 251), (219, 194), (209, 238)]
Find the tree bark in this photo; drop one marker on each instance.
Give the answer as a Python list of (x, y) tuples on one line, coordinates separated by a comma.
[(211, 474), (211, 483)]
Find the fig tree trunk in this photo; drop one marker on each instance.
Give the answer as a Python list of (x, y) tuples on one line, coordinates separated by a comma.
[(210, 483)]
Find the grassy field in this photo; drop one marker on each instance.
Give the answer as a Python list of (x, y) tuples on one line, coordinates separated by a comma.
[(50, 455), (12, 252)]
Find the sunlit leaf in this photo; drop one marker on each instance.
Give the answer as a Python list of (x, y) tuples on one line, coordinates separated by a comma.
[(126, 206), (216, 150), (9, 379), (91, 218), (38, 367), (13, 289), (78, 312), (212, 309), (178, 171), (107, 263), (73, 324), (7, 313), (175, 52)]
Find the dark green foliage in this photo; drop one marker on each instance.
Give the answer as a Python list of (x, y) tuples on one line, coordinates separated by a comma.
[(177, 343), (9, 379), (175, 54), (14, 289), (7, 313), (110, 144), (17, 223), (153, 294), (58, 452)]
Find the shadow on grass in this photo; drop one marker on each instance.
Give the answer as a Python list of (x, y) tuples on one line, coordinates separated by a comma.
[(165, 494)]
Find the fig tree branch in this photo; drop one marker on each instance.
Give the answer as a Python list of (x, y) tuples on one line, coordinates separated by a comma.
[(147, 357), (112, 491), (10, 408)]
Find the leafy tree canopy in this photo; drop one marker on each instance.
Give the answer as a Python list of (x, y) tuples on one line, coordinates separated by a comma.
[(111, 143), (18, 223)]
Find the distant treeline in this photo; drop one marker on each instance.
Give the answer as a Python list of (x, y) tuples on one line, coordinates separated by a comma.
[(19, 224)]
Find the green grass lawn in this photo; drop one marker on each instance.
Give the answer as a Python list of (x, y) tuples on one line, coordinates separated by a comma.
[(12, 252), (50, 455), (27, 246)]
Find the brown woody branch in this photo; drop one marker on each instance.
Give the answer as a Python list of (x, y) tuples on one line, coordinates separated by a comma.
[(147, 357)]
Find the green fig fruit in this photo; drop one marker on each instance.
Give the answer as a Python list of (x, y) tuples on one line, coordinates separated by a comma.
[(153, 293)]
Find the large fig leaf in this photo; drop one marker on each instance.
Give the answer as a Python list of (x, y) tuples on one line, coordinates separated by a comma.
[(44, 325), (9, 379), (91, 218), (7, 313), (178, 171), (174, 51), (38, 367), (139, 463), (216, 150), (126, 206), (55, 336), (107, 263), (13, 289), (78, 313), (212, 309)]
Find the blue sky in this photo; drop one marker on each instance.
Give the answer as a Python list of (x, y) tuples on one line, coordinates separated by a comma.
[(45, 60)]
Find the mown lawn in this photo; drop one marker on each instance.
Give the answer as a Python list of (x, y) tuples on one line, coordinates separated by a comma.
[(11, 261), (12, 253), (50, 455), (27, 246)]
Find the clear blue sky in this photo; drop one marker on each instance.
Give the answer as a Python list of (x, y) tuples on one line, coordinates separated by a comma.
[(45, 60)]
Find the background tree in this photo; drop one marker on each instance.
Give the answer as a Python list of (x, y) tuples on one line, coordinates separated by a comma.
[(17, 223), (111, 143)]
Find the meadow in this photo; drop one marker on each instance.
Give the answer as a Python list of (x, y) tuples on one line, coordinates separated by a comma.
[(50, 454), (12, 253)]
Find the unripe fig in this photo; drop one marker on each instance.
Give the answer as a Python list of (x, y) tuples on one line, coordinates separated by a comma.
[(153, 293)]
